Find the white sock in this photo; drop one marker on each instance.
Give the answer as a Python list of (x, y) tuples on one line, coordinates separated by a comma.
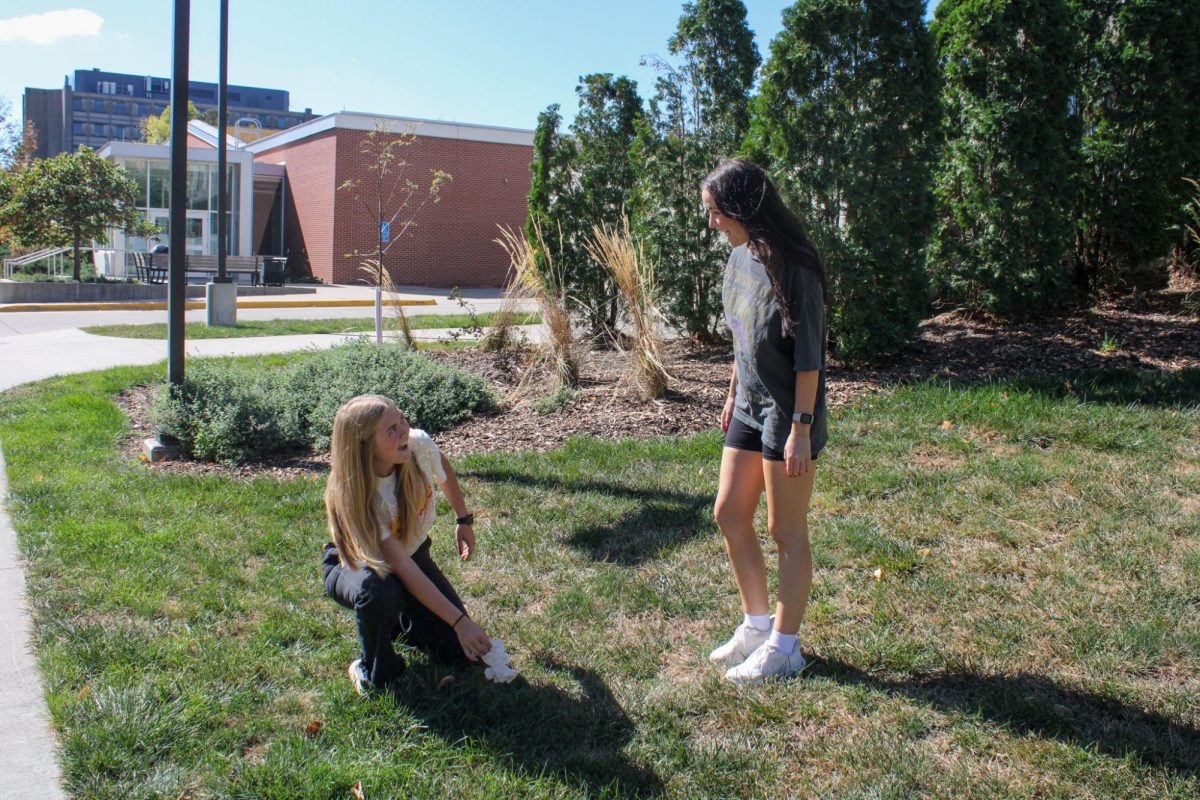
[(783, 642), (760, 622)]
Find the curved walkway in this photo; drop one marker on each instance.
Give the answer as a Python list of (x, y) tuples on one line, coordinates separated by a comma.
[(28, 764)]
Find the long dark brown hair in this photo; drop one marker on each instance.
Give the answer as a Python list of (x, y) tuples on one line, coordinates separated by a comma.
[(743, 191)]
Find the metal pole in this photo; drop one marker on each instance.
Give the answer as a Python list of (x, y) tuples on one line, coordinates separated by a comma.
[(222, 121), (177, 275)]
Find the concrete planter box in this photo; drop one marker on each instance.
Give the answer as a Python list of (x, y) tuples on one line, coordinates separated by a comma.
[(15, 292)]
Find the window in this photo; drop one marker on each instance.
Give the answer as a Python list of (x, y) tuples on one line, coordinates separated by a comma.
[(160, 184), (122, 108), (137, 170), (77, 128), (77, 103)]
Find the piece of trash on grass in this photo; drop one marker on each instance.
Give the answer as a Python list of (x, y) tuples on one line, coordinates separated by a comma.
[(877, 574)]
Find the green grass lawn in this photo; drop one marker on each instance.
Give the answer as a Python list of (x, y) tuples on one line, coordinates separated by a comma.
[(284, 327), (1034, 630)]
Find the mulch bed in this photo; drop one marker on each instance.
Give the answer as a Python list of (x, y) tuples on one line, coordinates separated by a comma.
[(1150, 330)]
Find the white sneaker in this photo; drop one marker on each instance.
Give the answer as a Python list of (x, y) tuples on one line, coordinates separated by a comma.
[(746, 639), (358, 676), (766, 662)]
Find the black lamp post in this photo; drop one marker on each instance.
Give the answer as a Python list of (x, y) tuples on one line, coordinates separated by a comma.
[(222, 121), (177, 274)]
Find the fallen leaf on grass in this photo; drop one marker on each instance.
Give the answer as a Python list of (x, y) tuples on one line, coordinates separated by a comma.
[(444, 682), (357, 792), (84, 692), (313, 728), (877, 574), (924, 551), (947, 425)]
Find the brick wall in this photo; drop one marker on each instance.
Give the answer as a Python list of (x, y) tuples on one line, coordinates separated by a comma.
[(308, 226), (451, 242)]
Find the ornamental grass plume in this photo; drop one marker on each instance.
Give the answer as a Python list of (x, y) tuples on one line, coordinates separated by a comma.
[(545, 284), (633, 276)]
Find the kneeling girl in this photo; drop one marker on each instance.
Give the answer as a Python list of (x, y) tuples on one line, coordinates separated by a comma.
[(380, 506)]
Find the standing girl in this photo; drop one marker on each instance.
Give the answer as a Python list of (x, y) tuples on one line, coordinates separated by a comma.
[(380, 505), (774, 417)]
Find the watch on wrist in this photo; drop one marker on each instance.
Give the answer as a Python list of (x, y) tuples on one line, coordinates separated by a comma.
[(466, 519), (803, 417)]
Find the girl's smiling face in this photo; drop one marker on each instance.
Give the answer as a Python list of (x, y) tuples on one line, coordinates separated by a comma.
[(390, 443), (735, 232)]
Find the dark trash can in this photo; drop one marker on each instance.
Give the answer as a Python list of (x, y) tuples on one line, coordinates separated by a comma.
[(274, 270)]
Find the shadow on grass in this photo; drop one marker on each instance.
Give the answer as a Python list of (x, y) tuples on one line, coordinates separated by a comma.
[(1033, 704), (1118, 387), (663, 520), (576, 734)]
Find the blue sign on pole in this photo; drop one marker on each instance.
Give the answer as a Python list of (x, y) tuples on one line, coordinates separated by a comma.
[(385, 232)]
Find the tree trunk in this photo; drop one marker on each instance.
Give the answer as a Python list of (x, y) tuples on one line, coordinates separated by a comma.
[(78, 244)]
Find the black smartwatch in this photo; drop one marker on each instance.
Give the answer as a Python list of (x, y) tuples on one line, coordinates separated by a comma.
[(468, 519)]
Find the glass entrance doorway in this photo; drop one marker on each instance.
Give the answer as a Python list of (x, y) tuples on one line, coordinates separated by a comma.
[(195, 230)]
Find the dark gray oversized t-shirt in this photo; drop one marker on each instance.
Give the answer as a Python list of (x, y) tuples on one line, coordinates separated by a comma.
[(767, 357)]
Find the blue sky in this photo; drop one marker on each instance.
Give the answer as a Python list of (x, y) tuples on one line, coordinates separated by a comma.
[(482, 61)]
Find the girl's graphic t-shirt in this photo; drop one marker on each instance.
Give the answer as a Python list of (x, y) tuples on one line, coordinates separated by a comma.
[(426, 455), (768, 357)]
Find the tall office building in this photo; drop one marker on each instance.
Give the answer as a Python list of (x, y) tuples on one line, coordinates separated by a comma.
[(100, 107)]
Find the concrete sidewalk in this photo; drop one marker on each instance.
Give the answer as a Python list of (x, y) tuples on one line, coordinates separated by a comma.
[(28, 762)]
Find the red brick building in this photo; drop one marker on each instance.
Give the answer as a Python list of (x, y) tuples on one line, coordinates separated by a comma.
[(323, 226)]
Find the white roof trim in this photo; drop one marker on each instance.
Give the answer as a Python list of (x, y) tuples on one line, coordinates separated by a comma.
[(355, 121), (162, 152), (208, 134)]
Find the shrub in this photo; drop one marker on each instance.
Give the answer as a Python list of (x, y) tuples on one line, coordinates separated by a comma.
[(1004, 188), (848, 118), (1139, 77), (226, 413), (235, 413)]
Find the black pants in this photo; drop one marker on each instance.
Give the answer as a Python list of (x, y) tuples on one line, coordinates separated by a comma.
[(384, 610)]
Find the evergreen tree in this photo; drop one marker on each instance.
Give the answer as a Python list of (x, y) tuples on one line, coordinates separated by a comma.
[(1139, 90), (700, 114), (603, 130), (848, 117), (1004, 188)]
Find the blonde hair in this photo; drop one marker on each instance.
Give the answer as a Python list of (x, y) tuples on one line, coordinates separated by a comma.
[(355, 518)]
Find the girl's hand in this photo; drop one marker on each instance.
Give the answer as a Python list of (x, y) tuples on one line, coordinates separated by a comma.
[(475, 643), (797, 453), (726, 415), (464, 537)]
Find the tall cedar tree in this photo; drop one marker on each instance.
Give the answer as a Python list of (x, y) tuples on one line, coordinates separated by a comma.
[(848, 118), (1005, 188), (700, 114), (71, 199), (554, 195), (1139, 90), (603, 130)]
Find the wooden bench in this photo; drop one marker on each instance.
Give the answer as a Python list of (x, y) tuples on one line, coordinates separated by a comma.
[(154, 267)]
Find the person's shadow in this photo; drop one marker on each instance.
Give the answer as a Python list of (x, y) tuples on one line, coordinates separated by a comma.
[(660, 521), (1033, 704), (577, 735)]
